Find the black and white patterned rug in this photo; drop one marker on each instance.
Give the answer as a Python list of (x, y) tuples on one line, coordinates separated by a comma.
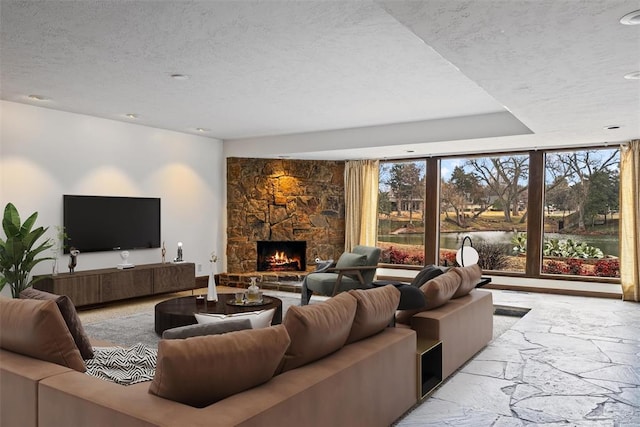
[(125, 366)]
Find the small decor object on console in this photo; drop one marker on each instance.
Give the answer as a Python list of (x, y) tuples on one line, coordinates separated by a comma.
[(73, 259), (164, 252), (125, 264), (253, 292), (58, 247), (179, 257), (212, 293)]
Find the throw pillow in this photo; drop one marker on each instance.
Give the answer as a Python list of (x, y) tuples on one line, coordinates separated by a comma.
[(469, 278), (349, 259), (440, 290), (259, 319), (36, 329), (318, 330), (215, 328), (375, 309), (70, 316), (203, 370), (426, 274)]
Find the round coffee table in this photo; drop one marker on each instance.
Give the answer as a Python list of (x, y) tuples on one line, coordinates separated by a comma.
[(179, 311)]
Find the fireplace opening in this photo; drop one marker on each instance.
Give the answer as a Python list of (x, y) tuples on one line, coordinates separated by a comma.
[(282, 255)]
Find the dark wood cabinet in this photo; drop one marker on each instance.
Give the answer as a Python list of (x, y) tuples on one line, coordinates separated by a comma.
[(171, 277), (111, 284), (82, 289), (126, 284)]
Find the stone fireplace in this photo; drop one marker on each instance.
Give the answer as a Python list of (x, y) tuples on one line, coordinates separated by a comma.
[(277, 200), (282, 256)]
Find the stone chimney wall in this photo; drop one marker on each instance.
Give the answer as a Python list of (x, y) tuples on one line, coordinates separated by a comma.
[(279, 199)]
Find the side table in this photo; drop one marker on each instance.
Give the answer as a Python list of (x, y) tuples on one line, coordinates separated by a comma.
[(429, 355)]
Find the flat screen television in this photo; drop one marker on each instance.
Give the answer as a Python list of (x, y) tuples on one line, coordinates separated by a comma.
[(105, 223)]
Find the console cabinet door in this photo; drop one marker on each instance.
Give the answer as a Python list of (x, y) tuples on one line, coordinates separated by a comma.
[(174, 277), (82, 290), (126, 284)]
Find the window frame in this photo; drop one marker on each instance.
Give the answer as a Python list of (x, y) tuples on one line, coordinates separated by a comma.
[(535, 219)]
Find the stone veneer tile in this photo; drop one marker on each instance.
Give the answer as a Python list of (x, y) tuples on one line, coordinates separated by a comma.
[(618, 347), (436, 413), (630, 396), (478, 392), (554, 381), (545, 409), (619, 373), (508, 422), (523, 391), (627, 414), (487, 368)]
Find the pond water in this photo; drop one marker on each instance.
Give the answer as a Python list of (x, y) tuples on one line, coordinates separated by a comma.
[(609, 244)]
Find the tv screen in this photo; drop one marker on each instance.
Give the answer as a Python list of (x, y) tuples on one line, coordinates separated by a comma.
[(101, 223)]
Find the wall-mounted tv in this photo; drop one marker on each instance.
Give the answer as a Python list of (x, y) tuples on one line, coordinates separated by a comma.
[(104, 223)]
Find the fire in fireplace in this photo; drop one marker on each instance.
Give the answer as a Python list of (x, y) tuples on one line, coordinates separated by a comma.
[(282, 255)]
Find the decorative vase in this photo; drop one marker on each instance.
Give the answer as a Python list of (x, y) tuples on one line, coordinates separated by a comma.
[(253, 292), (212, 293), (54, 267)]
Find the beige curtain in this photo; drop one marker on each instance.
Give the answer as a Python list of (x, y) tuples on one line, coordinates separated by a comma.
[(630, 221), (361, 203)]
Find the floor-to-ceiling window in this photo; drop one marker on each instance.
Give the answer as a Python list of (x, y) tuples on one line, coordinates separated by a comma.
[(533, 214), (484, 198), (401, 207), (581, 219)]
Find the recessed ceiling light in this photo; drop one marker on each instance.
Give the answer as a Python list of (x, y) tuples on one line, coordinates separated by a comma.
[(411, 151), (632, 18), (37, 98), (202, 130), (132, 116), (632, 76), (612, 127), (178, 76)]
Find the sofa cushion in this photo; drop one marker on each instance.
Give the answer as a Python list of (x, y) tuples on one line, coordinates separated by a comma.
[(258, 319), (375, 309), (469, 278), (439, 290), (318, 330), (36, 328), (70, 316), (203, 370), (203, 329)]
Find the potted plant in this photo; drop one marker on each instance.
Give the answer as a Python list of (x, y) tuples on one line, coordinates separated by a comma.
[(18, 252)]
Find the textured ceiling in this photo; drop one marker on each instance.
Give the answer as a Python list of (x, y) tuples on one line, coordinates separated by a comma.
[(265, 68)]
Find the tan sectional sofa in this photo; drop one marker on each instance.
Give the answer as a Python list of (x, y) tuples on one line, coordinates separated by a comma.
[(456, 313), (368, 382)]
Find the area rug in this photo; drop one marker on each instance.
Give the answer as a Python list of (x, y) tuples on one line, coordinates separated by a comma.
[(137, 328)]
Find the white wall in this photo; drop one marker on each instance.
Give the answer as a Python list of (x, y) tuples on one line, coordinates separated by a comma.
[(46, 153)]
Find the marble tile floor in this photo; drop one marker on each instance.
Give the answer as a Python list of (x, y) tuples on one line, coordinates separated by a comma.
[(571, 361)]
